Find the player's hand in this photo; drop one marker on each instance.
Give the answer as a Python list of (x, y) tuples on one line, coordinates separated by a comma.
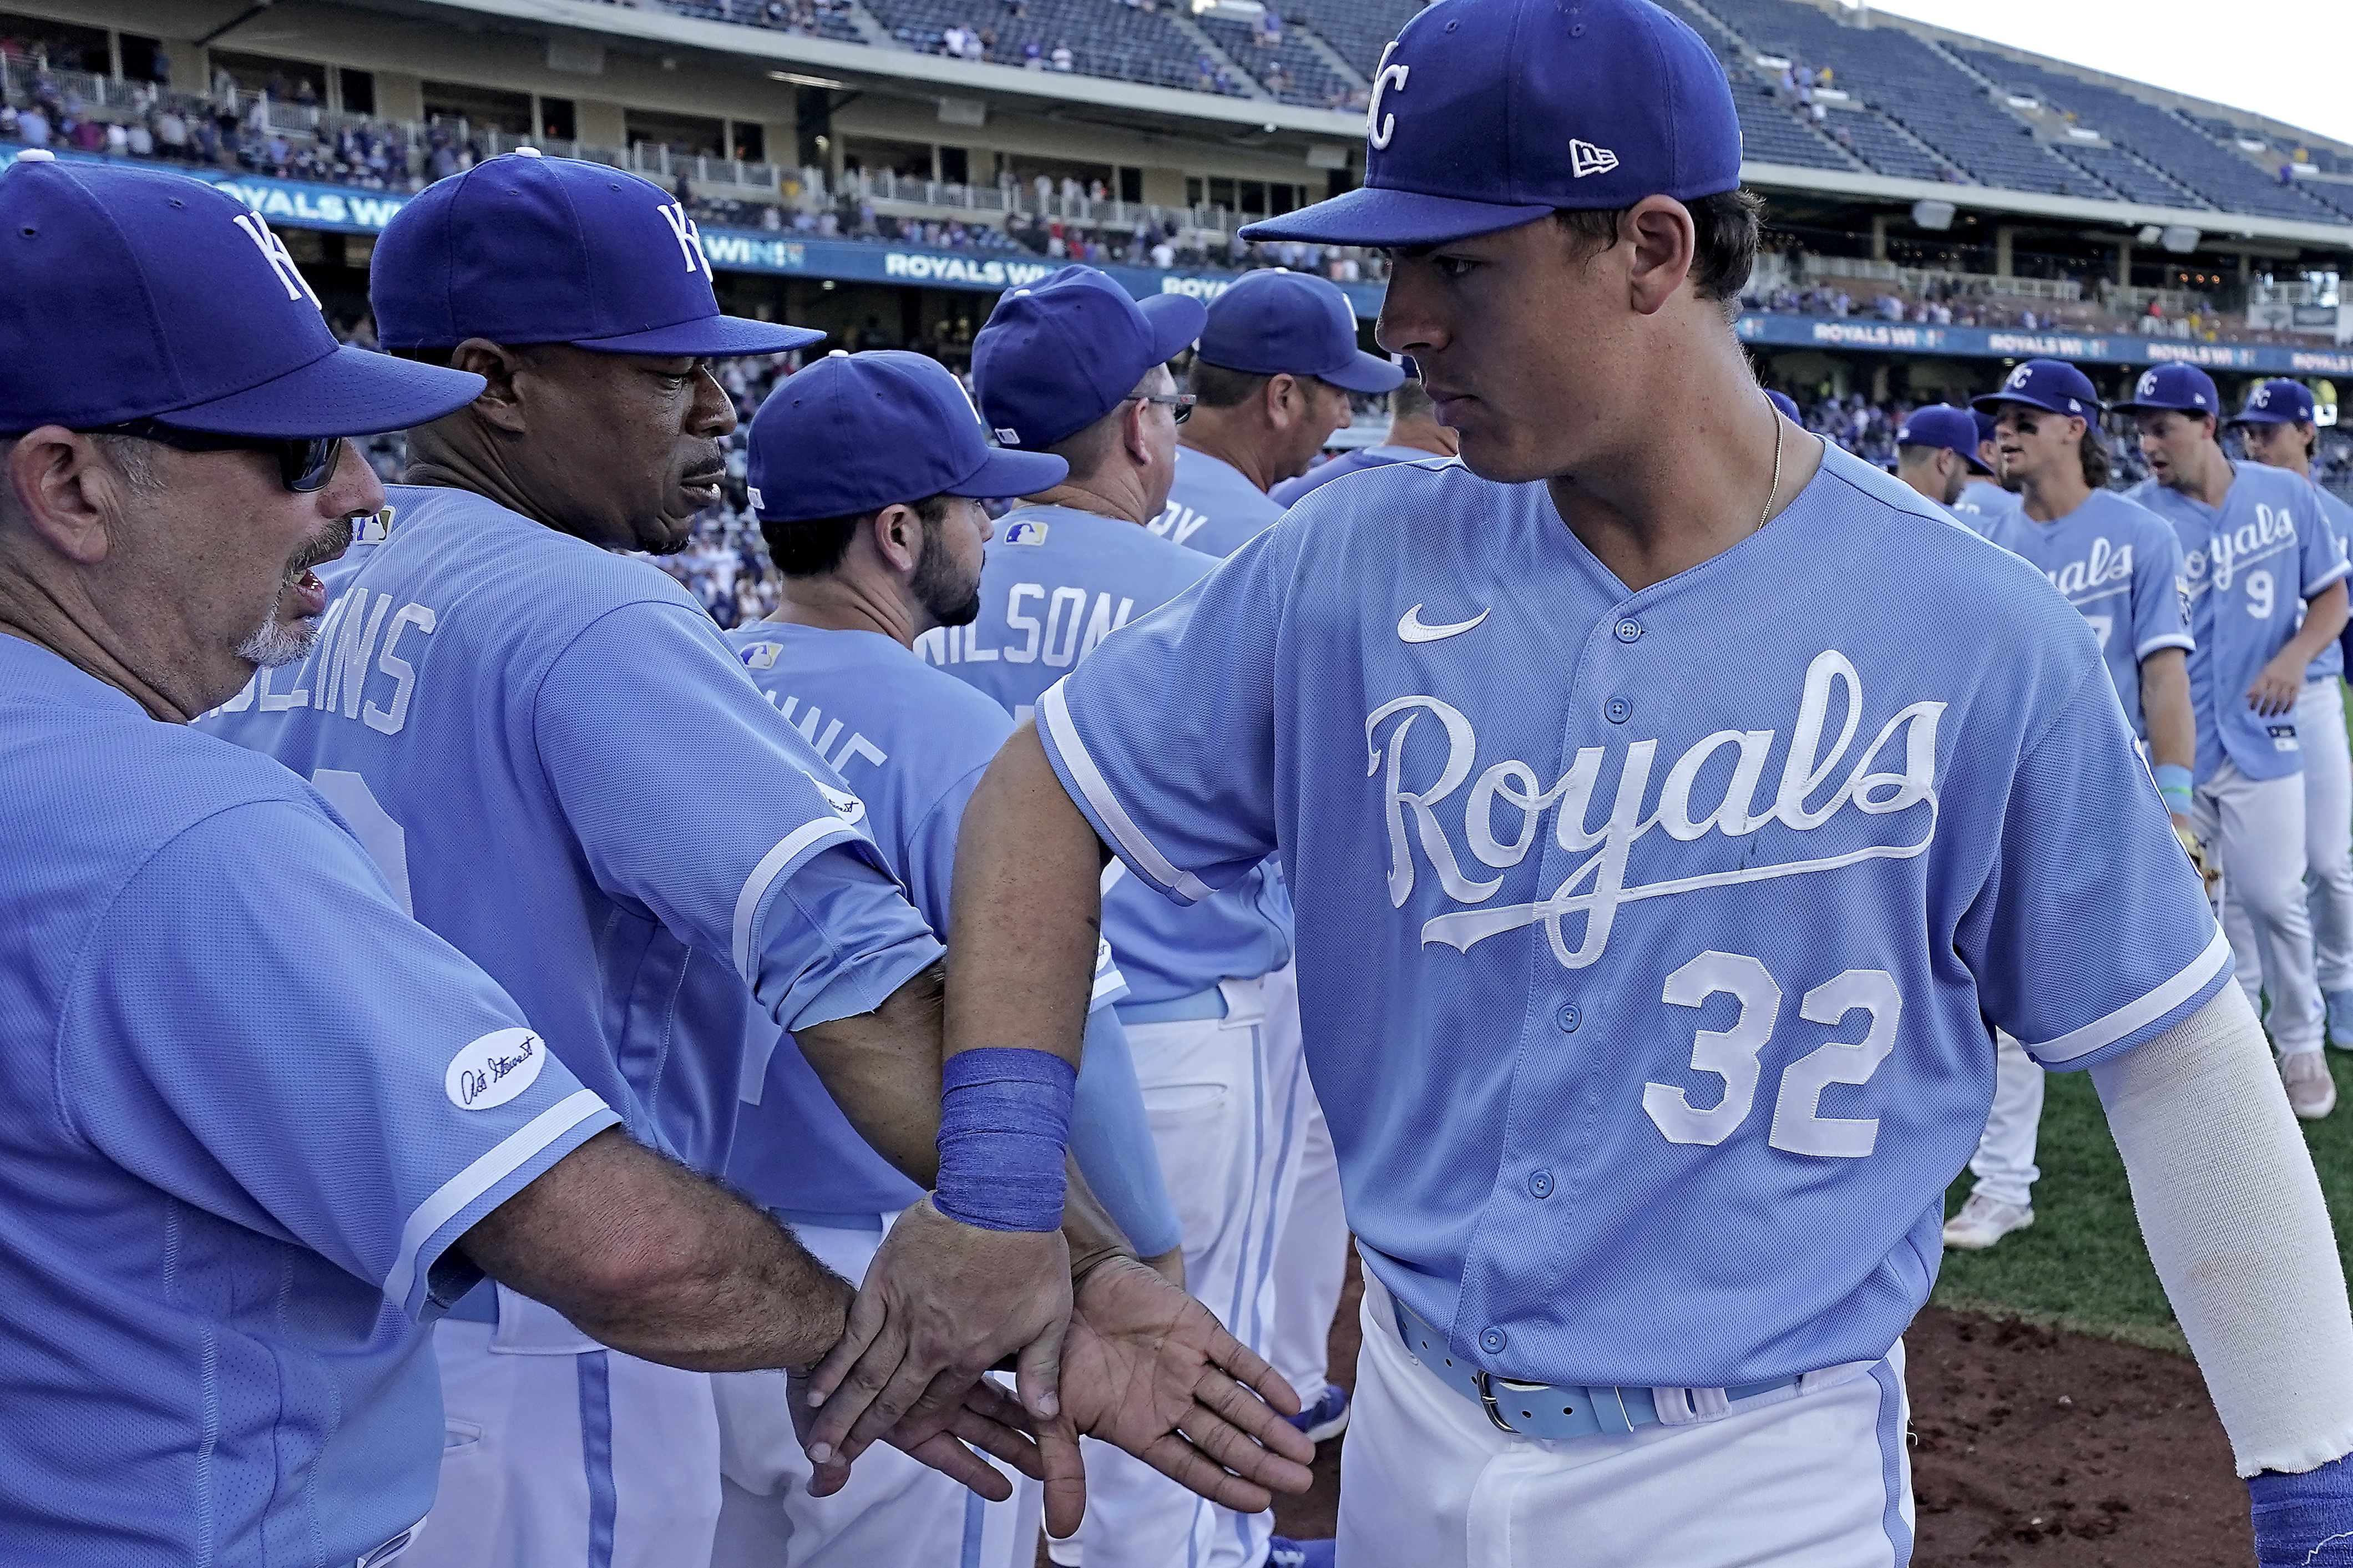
[(2277, 687), (1150, 1369), (942, 1302), (987, 1418), (2209, 865)]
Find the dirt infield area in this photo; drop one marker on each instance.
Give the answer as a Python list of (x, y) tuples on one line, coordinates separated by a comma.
[(2031, 1446)]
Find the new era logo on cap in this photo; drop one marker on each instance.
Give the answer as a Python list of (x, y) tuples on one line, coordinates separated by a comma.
[(1585, 158)]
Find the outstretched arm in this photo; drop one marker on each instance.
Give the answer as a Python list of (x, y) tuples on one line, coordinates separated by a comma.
[(2228, 1200)]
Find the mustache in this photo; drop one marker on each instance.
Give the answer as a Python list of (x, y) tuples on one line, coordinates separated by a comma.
[(713, 465), (325, 545)]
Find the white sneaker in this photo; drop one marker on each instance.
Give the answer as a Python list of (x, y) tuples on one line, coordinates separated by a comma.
[(1984, 1221), (2311, 1092)]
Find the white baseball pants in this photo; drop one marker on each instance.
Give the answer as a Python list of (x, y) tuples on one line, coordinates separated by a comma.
[(1310, 1247), (2004, 1163), (2260, 826), (1813, 1479), (557, 1457), (2327, 828), (895, 1512), (1222, 1106)]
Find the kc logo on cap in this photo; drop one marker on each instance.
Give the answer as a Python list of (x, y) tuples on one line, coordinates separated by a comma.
[(1379, 127)]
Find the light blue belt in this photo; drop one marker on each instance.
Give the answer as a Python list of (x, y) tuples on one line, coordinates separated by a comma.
[(830, 1219), (1209, 1003), (385, 1550), (1556, 1412)]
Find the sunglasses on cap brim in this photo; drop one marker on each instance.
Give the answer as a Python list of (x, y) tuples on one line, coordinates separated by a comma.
[(305, 463)]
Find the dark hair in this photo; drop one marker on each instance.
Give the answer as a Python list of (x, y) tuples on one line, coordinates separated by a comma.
[(1217, 386), (2094, 454), (1410, 401), (816, 547), (1725, 228)]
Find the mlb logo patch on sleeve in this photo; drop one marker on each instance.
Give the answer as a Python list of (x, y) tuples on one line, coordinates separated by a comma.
[(761, 655), (1026, 532)]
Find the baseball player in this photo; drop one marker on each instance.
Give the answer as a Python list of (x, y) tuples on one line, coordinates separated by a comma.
[(1072, 367), (2277, 430), (1787, 407), (1658, 890), (859, 470), (2265, 579), (1983, 500), (263, 1125), (1414, 432), (565, 772), (1936, 452), (1271, 380), (2119, 564)]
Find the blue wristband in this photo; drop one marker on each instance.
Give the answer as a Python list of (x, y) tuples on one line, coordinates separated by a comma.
[(1005, 1121), (2173, 783), (2304, 1518)]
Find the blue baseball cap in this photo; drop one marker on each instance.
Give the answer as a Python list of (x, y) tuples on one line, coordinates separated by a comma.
[(1985, 425), (855, 432), (2051, 384), (1280, 322), (2277, 402), (2183, 388), (1788, 405), (522, 249), (1942, 425), (130, 293), (1488, 114), (1059, 354)]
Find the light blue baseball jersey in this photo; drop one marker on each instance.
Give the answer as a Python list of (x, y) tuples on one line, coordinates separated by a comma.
[(1057, 582), (1288, 492), (566, 772), (1982, 503), (250, 1106), (2339, 518), (2248, 568), (1651, 942), (1212, 508), (2119, 564), (912, 741)]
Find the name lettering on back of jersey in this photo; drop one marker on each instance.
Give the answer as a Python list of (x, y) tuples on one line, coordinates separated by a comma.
[(1178, 523), (838, 760), (1072, 625), (1893, 774), (336, 676)]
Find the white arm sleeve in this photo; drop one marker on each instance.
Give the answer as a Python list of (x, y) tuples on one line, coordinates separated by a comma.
[(2233, 1213)]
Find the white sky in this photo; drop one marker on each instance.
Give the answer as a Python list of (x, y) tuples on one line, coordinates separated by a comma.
[(2294, 64)]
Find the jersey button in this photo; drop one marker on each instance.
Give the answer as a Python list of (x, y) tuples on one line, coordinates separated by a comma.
[(1540, 1183), (1493, 1342), (1569, 1018), (1619, 710), (1629, 631)]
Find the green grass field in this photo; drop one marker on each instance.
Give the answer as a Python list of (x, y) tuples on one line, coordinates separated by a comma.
[(2082, 1266)]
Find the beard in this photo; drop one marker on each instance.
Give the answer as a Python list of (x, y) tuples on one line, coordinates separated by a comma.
[(277, 642), (948, 595)]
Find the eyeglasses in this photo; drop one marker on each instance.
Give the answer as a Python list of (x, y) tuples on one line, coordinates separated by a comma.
[(305, 463), (1180, 403)]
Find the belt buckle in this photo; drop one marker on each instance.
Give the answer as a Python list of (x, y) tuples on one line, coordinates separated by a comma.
[(1485, 1386)]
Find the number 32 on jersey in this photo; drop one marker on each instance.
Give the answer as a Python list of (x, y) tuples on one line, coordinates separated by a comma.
[(1731, 1055)]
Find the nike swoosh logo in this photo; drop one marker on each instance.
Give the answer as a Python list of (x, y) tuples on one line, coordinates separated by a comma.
[(1410, 629)]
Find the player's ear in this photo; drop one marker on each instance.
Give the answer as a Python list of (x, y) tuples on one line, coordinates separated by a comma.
[(62, 490), (1661, 244), (897, 533), (499, 404)]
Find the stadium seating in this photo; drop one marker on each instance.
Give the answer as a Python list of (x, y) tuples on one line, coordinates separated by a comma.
[(1105, 38), (1307, 80), (822, 21), (1359, 29), (1878, 142), (2128, 175), (2183, 151), (1912, 85)]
